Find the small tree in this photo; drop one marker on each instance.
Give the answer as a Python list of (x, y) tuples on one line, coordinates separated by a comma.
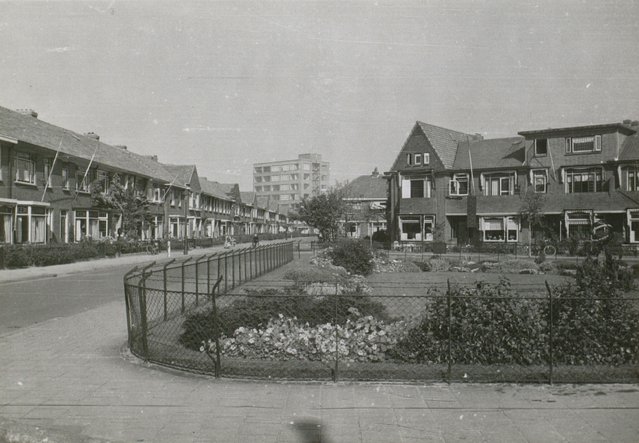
[(134, 209), (323, 212), (531, 213)]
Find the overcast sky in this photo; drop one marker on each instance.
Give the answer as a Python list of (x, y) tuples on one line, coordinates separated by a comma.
[(224, 85)]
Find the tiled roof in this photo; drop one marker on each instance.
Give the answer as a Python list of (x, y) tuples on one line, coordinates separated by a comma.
[(367, 186), (600, 127), (492, 153), (630, 149), (247, 197), (181, 174), (214, 189), (34, 131), (444, 141)]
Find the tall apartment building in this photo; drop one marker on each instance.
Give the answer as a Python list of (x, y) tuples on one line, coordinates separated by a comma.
[(289, 181)]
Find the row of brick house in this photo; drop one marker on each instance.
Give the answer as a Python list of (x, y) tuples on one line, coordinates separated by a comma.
[(46, 175), (459, 188)]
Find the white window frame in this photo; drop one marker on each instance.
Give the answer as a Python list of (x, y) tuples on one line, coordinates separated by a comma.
[(510, 178), (632, 174), (633, 217), (508, 224), (23, 160), (454, 184), (594, 139), (417, 159), (411, 220), (409, 159), (426, 158), (536, 173), (570, 178)]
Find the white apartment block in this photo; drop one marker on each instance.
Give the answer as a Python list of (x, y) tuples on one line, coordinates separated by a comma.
[(289, 181)]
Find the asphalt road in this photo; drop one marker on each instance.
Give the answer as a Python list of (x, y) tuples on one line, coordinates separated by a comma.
[(25, 303)]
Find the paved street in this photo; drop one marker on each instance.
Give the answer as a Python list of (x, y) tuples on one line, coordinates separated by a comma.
[(69, 378)]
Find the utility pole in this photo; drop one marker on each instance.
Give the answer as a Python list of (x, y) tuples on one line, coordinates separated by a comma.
[(186, 218)]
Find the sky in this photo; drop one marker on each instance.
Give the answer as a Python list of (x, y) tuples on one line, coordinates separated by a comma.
[(224, 85)]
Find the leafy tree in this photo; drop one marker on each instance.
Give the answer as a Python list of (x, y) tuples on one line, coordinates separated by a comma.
[(323, 212), (131, 206)]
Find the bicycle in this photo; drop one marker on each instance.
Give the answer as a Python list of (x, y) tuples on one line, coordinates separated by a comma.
[(153, 248)]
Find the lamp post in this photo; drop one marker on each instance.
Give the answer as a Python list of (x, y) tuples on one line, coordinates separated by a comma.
[(186, 218)]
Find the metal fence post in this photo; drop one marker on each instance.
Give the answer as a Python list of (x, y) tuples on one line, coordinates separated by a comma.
[(216, 328), (197, 279), (550, 334), (450, 322), (335, 322), (233, 255), (143, 317), (239, 266), (127, 299), (226, 268), (183, 263), (165, 286)]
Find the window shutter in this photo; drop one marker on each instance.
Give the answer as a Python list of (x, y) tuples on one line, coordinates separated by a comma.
[(405, 188), (568, 145), (408, 159), (426, 158), (598, 143)]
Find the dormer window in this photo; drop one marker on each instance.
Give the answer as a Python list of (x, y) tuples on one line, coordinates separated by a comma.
[(541, 147), (418, 159), (581, 145), (426, 158)]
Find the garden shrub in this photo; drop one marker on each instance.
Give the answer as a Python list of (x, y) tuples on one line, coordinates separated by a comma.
[(17, 257), (593, 322), (607, 276), (256, 311), (490, 325), (354, 255)]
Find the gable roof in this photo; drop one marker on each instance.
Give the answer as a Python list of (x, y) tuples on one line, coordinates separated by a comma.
[(444, 141), (493, 153), (182, 174), (248, 197), (34, 131), (367, 186)]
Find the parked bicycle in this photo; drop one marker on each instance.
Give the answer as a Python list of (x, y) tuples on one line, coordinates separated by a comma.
[(153, 248)]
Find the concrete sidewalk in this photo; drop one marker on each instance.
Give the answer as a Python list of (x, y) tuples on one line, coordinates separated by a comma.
[(71, 380)]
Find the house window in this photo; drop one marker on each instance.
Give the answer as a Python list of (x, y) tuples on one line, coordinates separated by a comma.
[(632, 179), (157, 195), (500, 229), (583, 180), (91, 224), (409, 159), (459, 184), (410, 229), (429, 227), (426, 158), (541, 147), (25, 168), (417, 159), (578, 224), (6, 224), (81, 182), (633, 225), (540, 181), (31, 224), (416, 188), (65, 178), (579, 145), (499, 184), (103, 180), (47, 172)]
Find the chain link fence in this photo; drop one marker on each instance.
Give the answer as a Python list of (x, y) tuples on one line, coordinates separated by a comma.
[(221, 315)]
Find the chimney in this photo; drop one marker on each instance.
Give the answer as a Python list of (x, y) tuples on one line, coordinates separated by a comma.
[(123, 147), (627, 122), (27, 111), (634, 123), (92, 135), (375, 172), (152, 157)]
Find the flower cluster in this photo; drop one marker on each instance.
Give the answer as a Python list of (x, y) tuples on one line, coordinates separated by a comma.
[(361, 338)]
